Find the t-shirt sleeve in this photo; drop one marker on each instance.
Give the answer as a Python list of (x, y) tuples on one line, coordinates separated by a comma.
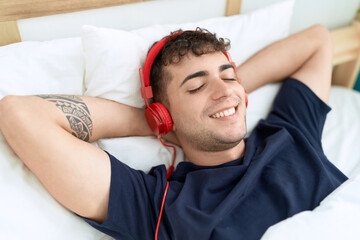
[(296, 106), (132, 202)]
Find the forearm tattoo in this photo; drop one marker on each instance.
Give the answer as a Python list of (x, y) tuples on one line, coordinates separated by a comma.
[(76, 112)]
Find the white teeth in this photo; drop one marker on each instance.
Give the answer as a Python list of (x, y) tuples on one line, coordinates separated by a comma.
[(225, 113)]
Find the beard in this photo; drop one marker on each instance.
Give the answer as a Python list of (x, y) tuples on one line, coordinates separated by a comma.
[(203, 139)]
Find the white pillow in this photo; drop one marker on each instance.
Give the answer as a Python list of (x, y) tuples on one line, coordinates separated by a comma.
[(260, 104), (341, 132), (27, 209), (113, 57), (55, 66), (141, 153)]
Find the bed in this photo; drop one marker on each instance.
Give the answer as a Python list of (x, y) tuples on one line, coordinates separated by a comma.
[(94, 48)]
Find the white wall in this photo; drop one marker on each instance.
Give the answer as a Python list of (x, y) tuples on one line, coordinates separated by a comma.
[(130, 16), (331, 13)]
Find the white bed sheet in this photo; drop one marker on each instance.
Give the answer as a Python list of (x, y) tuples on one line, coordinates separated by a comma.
[(28, 211)]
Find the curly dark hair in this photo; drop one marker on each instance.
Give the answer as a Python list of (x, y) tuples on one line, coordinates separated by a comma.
[(197, 42)]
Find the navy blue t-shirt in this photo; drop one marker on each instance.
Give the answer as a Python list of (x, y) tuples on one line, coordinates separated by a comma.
[(283, 172)]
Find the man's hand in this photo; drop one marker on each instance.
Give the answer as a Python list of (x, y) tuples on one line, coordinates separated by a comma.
[(306, 56), (48, 133)]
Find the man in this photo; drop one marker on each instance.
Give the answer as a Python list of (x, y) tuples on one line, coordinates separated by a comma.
[(232, 188)]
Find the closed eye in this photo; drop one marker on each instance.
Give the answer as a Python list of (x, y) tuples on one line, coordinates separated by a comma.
[(196, 89), (230, 79)]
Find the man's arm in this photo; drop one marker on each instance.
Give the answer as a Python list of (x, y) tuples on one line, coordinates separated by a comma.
[(306, 56), (47, 133)]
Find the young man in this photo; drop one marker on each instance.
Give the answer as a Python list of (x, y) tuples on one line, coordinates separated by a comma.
[(232, 188)]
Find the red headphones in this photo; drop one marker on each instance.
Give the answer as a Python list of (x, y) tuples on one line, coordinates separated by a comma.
[(157, 116)]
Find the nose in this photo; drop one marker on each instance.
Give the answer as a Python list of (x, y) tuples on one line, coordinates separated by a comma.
[(220, 89)]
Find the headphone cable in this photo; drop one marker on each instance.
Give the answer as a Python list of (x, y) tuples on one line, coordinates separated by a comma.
[(168, 174)]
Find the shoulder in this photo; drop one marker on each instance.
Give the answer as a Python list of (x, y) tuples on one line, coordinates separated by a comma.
[(297, 107)]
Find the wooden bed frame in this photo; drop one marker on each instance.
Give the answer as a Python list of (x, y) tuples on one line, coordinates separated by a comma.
[(346, 40)]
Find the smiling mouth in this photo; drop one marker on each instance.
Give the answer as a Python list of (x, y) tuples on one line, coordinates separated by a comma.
[(228, 112)]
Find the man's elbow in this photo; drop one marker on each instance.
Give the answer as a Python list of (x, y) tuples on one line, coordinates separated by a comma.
[(324, 36), (322, 31), (9, 110), (6, 103)]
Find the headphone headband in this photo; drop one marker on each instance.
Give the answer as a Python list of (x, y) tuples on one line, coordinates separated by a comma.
[(146, 90), (153, 52)]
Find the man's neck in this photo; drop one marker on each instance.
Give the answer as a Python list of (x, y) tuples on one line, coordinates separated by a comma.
[(206, 158)]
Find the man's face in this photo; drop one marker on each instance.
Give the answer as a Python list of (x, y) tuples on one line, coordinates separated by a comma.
[(207, 102)]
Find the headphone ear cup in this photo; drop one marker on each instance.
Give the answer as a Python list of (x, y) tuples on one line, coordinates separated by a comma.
[(158, 119)]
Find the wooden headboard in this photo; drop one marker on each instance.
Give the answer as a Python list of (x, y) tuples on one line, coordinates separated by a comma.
[(346, 40)]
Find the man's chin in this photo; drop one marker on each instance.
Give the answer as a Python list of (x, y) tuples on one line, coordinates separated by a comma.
[(223, 147), (213, 141), (218, 144)]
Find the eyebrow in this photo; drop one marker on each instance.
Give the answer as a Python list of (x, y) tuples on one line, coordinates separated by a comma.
[(204, 73), (225, 66), (194, 75)]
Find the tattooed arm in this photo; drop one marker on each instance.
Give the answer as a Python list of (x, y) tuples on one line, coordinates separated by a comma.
[(76, 112), (46, 132), (112, 119)]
